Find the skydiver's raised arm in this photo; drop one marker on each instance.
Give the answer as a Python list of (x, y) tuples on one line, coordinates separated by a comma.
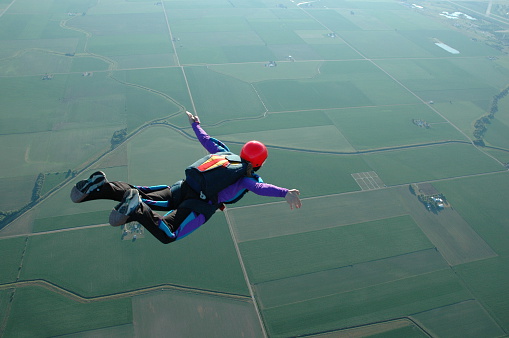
[(211, 144)]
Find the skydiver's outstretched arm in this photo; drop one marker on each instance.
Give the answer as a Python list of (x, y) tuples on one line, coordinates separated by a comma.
[(211, 144)]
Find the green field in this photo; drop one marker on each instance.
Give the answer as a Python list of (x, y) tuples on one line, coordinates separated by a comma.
[(330, 248), (77, 316), (335, 89)]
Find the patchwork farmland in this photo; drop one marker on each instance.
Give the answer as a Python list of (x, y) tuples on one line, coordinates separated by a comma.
[(333, 88)]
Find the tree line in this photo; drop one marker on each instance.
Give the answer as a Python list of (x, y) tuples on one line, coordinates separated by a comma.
[(480, 125), (6, 216)]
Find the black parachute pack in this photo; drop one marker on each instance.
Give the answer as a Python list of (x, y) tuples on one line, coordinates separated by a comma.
[(214, 172)]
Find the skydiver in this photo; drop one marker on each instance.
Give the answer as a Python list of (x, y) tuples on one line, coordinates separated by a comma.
[(185, 212)]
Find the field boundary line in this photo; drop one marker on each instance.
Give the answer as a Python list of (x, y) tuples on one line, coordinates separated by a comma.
[(127, 294), (6, 8), (177, 59), (244, 271), (358, 289), (367, 191), (339, 331), (359, 263), (41, 233)]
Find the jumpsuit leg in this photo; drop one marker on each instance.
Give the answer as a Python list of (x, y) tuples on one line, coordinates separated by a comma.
[(115, 191), (109, 191), (155, 223), (177, 224)]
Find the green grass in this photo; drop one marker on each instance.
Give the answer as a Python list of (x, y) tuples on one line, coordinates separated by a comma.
[(20, 191), (333, 20), (482, 202), (383, 44), (51, 180), (440, 80), (167, 82), (335, 51), (402, 332), (281, 257), (256, 72), (372, 128), (19, 111), (32, 60), (11, 250), (273, 33), (28, 25), (463, 319), (496, 134), (123, 45), (88, 64), (221, 23), (485, 70), (250, 53), (323, 284), (386, 301), (406, 166), (71, 221), (34, 153), (122, 24), (145, 150), (284, 95), (5, 297), (339, 84), (221, 97), (276, 121), (465, 45), (143, 106), (108, 265), (52, 314), (195, 55), (462, 114), (488, 280), (502, 115)]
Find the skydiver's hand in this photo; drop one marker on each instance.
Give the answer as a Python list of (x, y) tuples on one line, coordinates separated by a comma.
[(292, 197), (192, 118)]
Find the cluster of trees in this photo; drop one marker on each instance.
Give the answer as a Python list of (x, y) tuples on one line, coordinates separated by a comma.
[(118, 137), (36, 191), (480, 124)]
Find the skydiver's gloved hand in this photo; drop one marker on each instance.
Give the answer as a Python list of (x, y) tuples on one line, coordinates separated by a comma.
[(292, 197), (192, 118)]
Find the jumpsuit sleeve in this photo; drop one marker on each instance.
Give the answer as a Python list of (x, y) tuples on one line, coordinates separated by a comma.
[(209, 143), (263, 189)]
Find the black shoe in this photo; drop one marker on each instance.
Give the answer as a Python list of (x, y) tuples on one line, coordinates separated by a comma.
[(121, 212), (84, 187)]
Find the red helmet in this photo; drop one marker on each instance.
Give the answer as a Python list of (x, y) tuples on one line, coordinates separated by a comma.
[(254, 152)]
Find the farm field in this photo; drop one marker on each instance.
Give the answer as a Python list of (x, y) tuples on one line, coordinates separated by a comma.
[(358, 102)]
